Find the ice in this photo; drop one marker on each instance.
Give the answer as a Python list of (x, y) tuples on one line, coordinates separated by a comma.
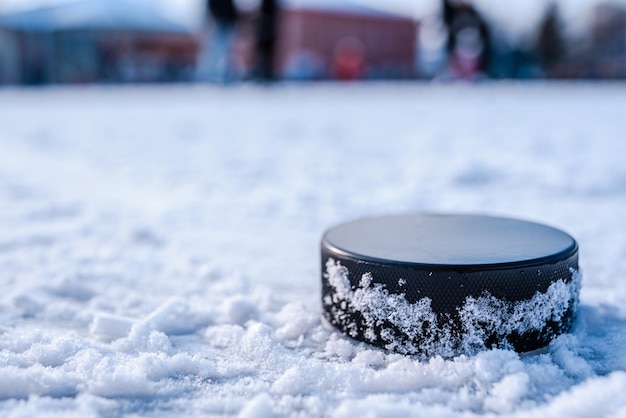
[(111, 326), (159, 246)]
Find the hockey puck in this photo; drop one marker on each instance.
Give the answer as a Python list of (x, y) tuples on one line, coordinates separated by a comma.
[(449, 284)]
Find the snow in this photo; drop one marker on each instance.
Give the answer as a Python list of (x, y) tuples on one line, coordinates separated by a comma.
[(159, 246)]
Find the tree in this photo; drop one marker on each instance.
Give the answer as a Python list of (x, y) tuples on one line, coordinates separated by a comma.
[(550, 41)]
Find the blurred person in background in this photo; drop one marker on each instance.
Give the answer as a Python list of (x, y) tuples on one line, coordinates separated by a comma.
[(349, 59), (266, 38), (222, 17), (468, 45)]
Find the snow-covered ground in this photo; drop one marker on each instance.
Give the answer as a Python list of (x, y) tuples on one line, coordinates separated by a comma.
[(159, 247)]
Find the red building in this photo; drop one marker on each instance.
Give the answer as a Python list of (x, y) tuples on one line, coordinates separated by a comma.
[(345, 42)]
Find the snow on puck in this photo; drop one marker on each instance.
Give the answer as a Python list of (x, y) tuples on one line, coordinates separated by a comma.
[(449, 284)]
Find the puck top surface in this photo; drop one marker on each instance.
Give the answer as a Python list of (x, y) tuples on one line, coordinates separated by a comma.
[(462, 241)]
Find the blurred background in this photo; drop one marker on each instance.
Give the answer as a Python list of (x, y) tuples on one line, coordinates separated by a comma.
[(226, 41)]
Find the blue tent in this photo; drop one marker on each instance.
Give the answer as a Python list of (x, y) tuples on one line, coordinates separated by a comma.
[(92, 15)]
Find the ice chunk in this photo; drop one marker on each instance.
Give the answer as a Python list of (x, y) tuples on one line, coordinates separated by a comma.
[(109, 326)]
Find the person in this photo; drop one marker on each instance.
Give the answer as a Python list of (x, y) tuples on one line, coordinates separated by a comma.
[(468, 44), (349, 59), (223, 15), (266, 37)]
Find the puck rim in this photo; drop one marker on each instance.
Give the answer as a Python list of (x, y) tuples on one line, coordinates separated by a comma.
[(459, 267)]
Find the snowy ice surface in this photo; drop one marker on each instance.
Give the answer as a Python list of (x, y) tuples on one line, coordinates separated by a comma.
[(159, 246)]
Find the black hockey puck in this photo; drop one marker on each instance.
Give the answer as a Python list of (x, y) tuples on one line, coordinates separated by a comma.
[(449, 284)]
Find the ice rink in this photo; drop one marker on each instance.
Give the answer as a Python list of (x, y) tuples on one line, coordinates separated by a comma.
[(159, 246)]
